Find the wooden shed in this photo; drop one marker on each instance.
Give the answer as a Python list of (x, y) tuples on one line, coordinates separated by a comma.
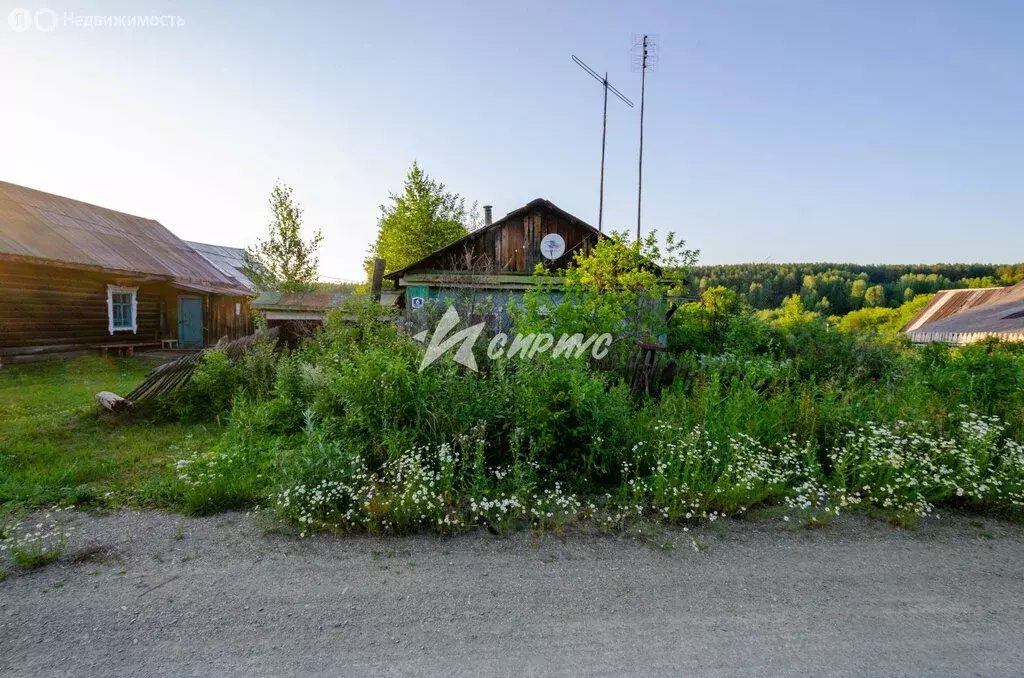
[(510, 244), (487, 269), (76, 277)]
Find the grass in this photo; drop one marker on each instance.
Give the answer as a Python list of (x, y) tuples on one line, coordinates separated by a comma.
[(58, 447)]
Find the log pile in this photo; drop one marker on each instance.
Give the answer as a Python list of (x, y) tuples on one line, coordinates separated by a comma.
[(168, 377)]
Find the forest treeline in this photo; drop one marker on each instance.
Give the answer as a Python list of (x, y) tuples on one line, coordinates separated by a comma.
[(837, 289)]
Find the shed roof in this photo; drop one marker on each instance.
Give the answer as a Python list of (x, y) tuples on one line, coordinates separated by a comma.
[(533, 204), (299, 301), (228, 260), (994, 310), (38, 225)]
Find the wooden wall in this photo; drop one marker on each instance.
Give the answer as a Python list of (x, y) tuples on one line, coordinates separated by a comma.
[(514, 246), (221, 320), (51, 310), (47, 309)]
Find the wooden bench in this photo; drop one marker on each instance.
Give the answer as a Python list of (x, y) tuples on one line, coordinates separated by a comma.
[(126, 348), (168, 343)]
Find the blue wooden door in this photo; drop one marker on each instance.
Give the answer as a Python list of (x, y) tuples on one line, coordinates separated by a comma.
[(190, 322)]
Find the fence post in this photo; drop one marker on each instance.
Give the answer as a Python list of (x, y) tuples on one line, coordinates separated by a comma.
[(377, 281)]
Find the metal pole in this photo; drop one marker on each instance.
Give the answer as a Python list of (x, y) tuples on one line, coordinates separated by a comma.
[(640, 181), (604, 134)]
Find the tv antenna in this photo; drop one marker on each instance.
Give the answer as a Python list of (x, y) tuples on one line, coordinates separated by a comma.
[(645, 58), (604, 127)]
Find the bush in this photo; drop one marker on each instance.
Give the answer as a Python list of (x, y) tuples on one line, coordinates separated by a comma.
[(209, 392)]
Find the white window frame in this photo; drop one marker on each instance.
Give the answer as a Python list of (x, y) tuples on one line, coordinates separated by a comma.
[(115, 289)]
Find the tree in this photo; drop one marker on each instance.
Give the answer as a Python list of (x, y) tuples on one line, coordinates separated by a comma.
[(619, 287), (857, 292), (420, 220), (283, 261), (875, 296), (792, 314), (719, 303)]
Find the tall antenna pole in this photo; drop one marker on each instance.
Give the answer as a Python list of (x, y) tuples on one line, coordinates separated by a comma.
[(640, 173), (604, 129), (647, 59), (604, 134)]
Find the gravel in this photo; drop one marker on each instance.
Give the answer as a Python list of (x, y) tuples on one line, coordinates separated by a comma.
[(149, 593)]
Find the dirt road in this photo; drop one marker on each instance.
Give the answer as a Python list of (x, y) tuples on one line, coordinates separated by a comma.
[(220, 596)]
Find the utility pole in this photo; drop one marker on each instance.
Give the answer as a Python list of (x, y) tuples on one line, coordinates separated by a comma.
[(604, 129), (645, 57)]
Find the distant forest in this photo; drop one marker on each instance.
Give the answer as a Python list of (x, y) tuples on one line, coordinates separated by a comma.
[(837, 289)]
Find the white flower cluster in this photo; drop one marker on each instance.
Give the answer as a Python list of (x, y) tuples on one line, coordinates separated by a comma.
[(32, 544), (686, 475)]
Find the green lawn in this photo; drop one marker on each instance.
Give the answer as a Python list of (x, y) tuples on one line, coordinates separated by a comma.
[(57, 445)]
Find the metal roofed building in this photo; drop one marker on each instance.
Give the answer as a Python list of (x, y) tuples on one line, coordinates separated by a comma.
[(228, 261), (968, 316), (75, 277)]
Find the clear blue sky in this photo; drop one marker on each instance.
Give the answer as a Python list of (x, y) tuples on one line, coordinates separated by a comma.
[(782, 130)]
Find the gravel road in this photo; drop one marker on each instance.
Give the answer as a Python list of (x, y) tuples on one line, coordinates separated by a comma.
[(156, 594)]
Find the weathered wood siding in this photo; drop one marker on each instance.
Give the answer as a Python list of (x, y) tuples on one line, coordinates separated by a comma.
[(514, 246), (222, 320), (57, 310), (52, 309)]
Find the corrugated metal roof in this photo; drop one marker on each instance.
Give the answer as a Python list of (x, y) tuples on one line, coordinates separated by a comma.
[(44, 226), (947, 303), (299, 301), (998, 310), (313, 302), (228, 260)]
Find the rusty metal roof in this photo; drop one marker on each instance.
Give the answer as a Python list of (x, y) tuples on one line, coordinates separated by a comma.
[(38, 225), (993, 310)]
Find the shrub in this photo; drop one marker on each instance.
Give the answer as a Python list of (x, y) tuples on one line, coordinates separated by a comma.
[(211, 389)]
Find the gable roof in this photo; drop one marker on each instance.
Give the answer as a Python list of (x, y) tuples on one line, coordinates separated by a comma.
[(996, 310), (528, 207), (38, 225), (227, 260)]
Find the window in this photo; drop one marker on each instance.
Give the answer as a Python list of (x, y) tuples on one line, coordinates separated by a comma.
[(121, 309)]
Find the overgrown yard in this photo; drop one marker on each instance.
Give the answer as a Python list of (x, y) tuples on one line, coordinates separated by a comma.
[(55, 448), (351, 432)]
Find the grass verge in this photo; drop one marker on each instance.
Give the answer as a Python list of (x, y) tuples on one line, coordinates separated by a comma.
[(57, 448)]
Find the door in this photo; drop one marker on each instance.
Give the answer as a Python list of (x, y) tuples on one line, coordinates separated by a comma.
[(190, 322)]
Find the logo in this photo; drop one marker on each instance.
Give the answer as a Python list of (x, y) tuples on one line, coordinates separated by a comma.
[(46, 20), (439, 345), (522, 346), (20, 19)]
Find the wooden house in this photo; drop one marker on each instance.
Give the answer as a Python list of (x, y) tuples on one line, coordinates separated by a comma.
[(486, 269), (76, 277)]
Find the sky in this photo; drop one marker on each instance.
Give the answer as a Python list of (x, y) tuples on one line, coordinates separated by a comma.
[(869, 131)]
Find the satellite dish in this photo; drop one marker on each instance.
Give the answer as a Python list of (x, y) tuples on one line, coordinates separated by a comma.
[(552, 246)]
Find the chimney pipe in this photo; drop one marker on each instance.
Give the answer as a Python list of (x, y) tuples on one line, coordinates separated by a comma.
[(487, 215)]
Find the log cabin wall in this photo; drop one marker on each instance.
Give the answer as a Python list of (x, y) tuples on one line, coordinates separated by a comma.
[(50, 309), (53, 311)]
